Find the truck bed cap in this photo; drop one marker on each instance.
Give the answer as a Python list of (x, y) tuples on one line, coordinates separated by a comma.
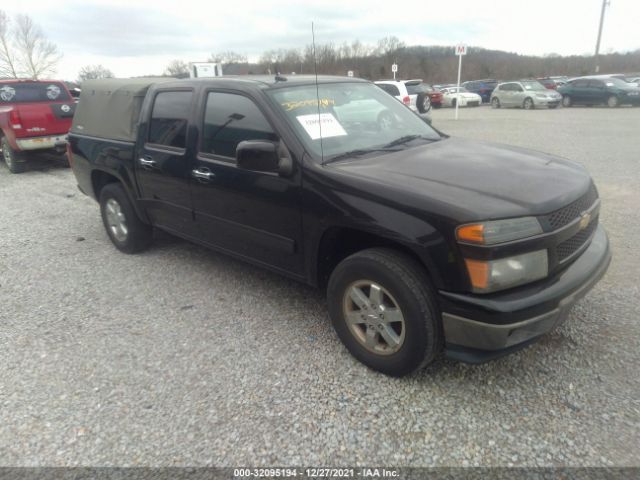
[(109, 108)]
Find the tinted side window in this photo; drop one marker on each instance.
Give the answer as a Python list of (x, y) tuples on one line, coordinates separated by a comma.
[(228, 120), (507, 87), (169, 118), (580, 83), (596, 83), (390, 89)]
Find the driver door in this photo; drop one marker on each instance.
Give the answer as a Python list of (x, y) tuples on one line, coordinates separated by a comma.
[(253, 214)]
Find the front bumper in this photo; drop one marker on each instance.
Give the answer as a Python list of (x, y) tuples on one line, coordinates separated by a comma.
[(479, 328), (546, 102), (40, 143)]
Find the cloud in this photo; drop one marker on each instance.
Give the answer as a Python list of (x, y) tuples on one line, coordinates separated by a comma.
[(137, 37)]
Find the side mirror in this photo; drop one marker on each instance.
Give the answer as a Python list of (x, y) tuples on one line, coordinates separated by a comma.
[(263, 156)]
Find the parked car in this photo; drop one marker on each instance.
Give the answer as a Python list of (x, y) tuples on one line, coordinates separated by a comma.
[(550, 83), (528, 94), (427, 96), (401, 90), (423, 242), (599, 91), (35, 115), (453, 95), (481, 87)]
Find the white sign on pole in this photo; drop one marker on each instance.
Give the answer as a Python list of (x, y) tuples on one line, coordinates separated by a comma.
[(350, 73), (394, 69), (460, 51)]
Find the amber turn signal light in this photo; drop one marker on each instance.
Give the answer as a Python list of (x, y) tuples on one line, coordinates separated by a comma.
[(478, 273), (471, 233)]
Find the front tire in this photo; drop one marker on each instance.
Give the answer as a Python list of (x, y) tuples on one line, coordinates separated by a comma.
[(566, 101), (528, 104), (495, 102), (125, 229), (383, 308), (14, 159)]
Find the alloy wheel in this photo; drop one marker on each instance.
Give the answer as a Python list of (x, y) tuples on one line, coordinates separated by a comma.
[(374, 317), (116, 220)]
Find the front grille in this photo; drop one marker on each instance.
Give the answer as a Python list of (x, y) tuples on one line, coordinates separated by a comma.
[(566, 215), (566, 248)]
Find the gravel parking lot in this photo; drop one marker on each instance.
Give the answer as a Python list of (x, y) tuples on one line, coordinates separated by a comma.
[(181, 356)]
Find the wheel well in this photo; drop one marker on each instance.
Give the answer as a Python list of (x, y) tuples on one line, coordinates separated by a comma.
[(99, 179), (338, 243)]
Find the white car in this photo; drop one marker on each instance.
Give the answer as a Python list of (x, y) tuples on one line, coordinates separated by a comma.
[(418, 101), (461, 96)]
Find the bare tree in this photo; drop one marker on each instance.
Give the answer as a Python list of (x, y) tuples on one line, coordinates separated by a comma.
[(94, 72), (177, 69), (8, 67), (228, 57), (38, 55)]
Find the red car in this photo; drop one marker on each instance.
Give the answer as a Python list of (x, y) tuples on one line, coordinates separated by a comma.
[(549, 83), (418, 87), (34, 115)]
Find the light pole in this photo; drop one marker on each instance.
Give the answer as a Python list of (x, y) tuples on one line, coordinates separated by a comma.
[(597, 59)]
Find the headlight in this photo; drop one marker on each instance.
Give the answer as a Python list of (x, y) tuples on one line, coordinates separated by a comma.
[(493, 275), (498, 231), (541, 95)]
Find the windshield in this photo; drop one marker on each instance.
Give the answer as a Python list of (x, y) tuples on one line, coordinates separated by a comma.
[(23, 92), (534, 86), (455, 89), (353, 117)]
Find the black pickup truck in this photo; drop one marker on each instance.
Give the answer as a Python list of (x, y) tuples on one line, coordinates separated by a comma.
[(424, 243)]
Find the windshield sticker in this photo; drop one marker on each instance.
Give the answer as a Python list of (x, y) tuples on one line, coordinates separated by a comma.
[(7, 93), (322, 102), (330, 126), (53, 92)]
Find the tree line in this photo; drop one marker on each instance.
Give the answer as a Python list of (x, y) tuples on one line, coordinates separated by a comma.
[(25, 52)]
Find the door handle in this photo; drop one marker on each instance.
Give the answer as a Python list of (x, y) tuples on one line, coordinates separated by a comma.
[(147, 162), (203, 174)]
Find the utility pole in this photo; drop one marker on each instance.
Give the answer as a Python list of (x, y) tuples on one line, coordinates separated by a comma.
[(597, 59)]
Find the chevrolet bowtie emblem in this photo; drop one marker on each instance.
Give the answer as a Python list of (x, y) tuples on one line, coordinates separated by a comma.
[(585, 219)]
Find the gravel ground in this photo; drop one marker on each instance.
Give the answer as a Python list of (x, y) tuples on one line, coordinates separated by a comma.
[(181, 356)]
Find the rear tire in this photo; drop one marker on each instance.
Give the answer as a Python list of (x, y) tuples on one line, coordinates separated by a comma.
[(495, 102), (566, 101), (125, 229), (613, 101), (14, 159), (395, 326)]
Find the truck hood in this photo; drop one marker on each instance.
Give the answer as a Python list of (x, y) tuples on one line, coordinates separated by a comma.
[(472, 180)]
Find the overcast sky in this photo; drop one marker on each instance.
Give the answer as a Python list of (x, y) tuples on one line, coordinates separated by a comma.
[(139, 37)]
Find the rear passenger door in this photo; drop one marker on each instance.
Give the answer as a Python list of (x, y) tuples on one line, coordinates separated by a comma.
[(163, 167), (255, 215), (506, 94)]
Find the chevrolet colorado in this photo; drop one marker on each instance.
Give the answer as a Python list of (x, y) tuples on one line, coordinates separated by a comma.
[(424, 243)]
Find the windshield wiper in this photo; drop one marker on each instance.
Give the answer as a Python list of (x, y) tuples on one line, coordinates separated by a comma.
[(405, 139), (358, 152)]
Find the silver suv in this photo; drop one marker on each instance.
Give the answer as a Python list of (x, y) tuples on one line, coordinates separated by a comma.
[(528, 94)]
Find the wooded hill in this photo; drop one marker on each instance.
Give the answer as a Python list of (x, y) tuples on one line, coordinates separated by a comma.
[(434, 64)]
